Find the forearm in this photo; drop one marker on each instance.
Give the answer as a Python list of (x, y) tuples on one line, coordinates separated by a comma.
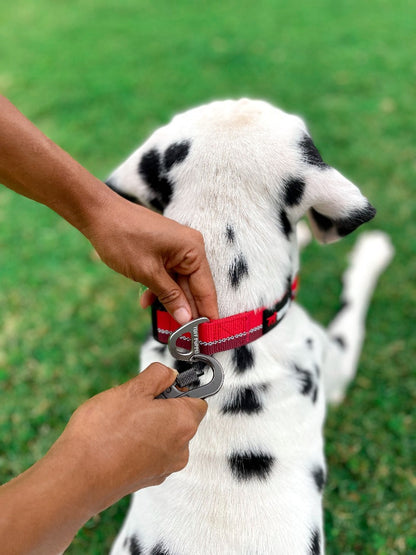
[(131, 239), (42, 509), (117, 442), (35, 167)]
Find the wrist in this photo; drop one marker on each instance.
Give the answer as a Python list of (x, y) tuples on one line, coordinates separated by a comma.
[(101, 211), (81, 199), (49, 500)]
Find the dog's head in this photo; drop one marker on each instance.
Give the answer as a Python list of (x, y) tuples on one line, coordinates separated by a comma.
[(248, 150)]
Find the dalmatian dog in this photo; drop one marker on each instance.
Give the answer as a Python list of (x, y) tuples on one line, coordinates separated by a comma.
[(244, 173)]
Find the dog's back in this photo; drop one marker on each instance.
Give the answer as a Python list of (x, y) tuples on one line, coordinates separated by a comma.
[(244, 173)]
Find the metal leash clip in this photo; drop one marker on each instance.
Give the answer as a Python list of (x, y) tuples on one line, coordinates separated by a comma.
[(192, 356)]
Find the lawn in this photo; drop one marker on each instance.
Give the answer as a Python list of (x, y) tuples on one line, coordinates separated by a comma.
[(97, 77)]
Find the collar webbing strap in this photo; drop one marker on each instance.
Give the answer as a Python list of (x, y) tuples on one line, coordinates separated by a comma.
[(225, 333)]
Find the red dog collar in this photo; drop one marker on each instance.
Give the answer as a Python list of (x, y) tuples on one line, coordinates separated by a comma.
[(225, 333)]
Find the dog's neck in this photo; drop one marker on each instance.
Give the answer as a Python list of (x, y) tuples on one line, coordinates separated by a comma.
[(251, 258)]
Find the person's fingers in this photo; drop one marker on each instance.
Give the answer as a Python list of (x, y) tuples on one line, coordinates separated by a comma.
[(154, 379), (191, 261), (183, 282), (172, 297), (147, 298), (203, 302), (198, 407), (202, 289)]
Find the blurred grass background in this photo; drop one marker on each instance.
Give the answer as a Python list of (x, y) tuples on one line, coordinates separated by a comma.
[(97, 77)]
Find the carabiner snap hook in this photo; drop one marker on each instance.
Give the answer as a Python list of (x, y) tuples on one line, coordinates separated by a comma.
[(194, 355)]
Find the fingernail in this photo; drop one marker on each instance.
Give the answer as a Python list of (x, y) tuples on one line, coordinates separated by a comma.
[(182, 315)]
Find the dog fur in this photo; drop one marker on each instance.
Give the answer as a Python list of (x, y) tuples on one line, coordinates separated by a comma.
[(244, 173)]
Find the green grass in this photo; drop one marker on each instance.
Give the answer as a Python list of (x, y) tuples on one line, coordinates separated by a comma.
[(97, 77)]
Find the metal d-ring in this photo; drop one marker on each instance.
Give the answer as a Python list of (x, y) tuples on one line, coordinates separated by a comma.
[(194, 355), (192, 328)]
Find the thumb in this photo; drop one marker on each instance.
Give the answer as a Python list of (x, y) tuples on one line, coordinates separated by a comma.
[(156, 378), (173, 298)]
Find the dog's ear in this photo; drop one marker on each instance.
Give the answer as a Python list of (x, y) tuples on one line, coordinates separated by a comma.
[(336, 206), (145, 177)]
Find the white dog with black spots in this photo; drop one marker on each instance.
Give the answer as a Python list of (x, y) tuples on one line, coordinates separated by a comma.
[(244, 173)]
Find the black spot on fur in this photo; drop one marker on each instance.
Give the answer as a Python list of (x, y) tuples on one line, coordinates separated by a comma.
[(346, 225), (309, 342), (323, 223), (245, 401), (176, 153), (308, 383), (315, 543), (306, 380), (238, 270), (161, 349), (135, 548), (150, 168), (355, 219), (249, 465), (294, 187), (111, 185), (285, 223), (243, 359), (340, 340), (318, 475), (310, 153), (159, 550), (155, 202), (230, 234)]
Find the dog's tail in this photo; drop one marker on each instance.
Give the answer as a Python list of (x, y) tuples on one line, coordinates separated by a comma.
[(371, 255)]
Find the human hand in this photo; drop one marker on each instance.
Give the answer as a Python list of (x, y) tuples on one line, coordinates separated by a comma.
[(115, 443), (165, 256), (127, 439)]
